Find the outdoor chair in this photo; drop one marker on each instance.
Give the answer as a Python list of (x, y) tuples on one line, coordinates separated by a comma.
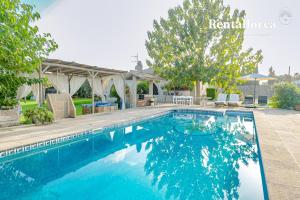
[(262, 100), (221, 100), (234, 100)]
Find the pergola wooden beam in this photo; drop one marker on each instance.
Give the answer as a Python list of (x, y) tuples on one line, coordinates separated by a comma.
[(80, 67)]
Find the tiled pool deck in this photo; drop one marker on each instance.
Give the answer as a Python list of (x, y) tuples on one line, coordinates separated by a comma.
[(278, 132)]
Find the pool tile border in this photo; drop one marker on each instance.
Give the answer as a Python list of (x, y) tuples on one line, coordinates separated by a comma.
[(80, 135), (42, 144), (206, 112)]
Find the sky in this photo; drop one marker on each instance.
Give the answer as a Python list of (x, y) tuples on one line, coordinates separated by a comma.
[(108, 33)]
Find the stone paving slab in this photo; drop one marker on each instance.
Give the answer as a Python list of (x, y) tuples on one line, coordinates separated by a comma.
[(279, 138)]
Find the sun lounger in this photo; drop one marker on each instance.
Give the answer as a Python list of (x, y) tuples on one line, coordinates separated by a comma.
[(248, 102), (234, 100), (221, 100)]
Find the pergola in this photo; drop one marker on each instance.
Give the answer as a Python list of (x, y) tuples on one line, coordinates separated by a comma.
[(142, 75), (67, 77), (70, 70)]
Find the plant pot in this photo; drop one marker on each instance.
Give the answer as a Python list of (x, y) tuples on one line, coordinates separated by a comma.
[(297, 107), (86, 110), (106, 109)]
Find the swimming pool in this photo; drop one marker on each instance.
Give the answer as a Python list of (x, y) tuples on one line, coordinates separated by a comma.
[(183, 154)]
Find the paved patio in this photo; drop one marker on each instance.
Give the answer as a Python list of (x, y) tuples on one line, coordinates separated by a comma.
[(278, 132), (279, 137)]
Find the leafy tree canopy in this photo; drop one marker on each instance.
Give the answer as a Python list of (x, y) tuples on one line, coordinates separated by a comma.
[(143, 87), (22, 46), (186, 47)]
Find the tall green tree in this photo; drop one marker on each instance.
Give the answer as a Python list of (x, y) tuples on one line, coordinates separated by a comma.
[(188, 47), (22, 46), (271, 72)]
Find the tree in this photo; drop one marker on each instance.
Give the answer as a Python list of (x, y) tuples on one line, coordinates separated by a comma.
[(22, 47), (271, 72), (296, 77), (185, 47), (143, 87)]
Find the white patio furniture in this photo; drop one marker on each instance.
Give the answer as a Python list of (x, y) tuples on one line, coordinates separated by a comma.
[(221, 100), (234, 100), (183, 100)]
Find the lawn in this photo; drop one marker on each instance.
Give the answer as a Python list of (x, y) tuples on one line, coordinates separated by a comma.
[(29, 104), (77, 102)]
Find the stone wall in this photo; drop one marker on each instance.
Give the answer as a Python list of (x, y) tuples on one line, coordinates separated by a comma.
[(9, 117)]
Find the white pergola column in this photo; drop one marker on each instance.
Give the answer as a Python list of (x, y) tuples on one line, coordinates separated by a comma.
[(151, 85), (69, 82), (198, 92), (134, 92), (40, 96), (93, 75)]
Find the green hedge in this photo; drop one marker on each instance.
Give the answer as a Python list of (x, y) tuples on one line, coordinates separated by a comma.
[(211, 93), (286, 95)]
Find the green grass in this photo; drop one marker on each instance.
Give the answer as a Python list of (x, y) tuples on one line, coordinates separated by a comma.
[(30, 104), (78, 102)]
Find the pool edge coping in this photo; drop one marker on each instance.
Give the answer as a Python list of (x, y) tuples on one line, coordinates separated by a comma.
[(261, 160), (76, 135), (70, 136)]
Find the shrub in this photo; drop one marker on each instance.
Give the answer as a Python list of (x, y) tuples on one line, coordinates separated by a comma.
[(38, 116), (9, 84), (8, 103), (211, 92), (286, 95), (143, 87)]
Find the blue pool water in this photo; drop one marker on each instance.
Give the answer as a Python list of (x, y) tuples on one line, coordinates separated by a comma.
[(180, 155)]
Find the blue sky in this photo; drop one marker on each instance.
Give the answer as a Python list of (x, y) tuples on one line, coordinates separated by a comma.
[(39, 4), (107, 33)]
